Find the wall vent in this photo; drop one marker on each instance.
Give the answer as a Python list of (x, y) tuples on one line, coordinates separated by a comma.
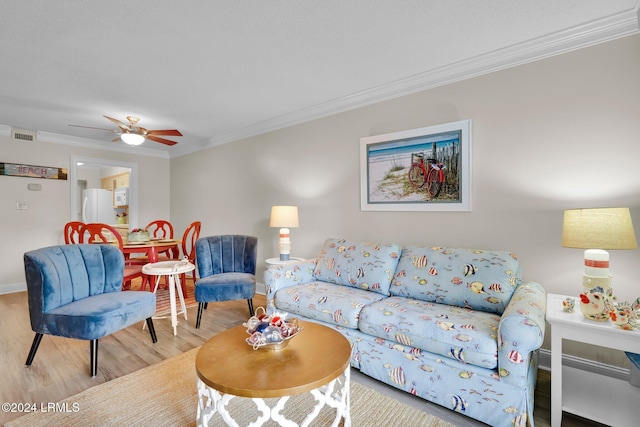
[(23, 135)]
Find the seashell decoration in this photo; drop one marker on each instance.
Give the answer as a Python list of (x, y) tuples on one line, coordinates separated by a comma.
[(271, 332)]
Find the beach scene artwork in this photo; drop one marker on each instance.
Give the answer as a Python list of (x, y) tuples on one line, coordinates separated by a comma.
[(426, 169), (389, 163)]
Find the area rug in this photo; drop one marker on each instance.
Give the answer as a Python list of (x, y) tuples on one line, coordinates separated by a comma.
[(163, 306), (165, 394)]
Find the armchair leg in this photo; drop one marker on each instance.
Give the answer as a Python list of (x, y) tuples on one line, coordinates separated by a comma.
[(201, 306), (152, 330), (34, 348), (250, 302), (94, 357)]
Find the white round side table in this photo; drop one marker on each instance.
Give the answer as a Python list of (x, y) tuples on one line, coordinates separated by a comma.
[(172, 269), (276, 262)]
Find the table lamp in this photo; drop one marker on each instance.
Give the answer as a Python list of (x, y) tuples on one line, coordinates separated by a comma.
[(597, 230), (284, 217)]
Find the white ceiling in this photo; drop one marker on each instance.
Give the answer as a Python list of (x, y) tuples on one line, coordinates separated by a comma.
[(223, 70)]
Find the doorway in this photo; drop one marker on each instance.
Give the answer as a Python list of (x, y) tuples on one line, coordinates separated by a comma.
[(79, 162)]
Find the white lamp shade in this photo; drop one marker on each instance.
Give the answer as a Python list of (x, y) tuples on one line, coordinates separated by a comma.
[(598, 228), (284, 217), (132, 138)]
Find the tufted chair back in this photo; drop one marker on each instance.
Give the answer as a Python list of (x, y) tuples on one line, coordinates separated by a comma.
[(226, 254)]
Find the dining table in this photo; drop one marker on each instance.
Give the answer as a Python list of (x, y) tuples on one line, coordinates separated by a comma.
[(151, 248)]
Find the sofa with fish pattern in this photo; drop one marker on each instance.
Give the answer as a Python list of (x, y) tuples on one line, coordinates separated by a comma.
[(457, 327)]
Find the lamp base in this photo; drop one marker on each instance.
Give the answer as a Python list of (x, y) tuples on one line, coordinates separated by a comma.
[(284, 244), (597, 284)]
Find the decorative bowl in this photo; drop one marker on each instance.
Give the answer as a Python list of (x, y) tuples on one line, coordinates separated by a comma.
[(271, 332)]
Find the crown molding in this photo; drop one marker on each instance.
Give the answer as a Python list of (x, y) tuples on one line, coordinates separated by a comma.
[(596, 32), (57, 138)]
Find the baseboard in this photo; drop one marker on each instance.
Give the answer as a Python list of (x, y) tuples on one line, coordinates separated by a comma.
[(11, 288), (544, 362)]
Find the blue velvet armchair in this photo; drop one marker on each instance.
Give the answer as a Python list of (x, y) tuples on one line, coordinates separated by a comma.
[(227, 270), (75, 291)]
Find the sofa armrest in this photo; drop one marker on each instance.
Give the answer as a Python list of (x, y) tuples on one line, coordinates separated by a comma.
[(283, 276), (521, 333)]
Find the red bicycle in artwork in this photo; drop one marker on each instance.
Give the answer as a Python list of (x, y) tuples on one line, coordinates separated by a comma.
[(426, 171)]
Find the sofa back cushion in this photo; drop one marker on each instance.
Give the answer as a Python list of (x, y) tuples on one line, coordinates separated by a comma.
[(360, 265), (482, 280)]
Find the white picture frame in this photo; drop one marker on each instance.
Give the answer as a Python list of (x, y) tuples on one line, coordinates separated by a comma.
[(425, 169)]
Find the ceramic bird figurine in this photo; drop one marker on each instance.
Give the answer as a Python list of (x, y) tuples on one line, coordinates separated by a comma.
[(595, 306), (624, 315), (568, 304)]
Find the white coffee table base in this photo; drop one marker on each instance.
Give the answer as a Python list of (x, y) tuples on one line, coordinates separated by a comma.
[(335, 394)]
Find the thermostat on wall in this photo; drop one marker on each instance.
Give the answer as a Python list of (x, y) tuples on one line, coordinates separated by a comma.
[(34, 187)]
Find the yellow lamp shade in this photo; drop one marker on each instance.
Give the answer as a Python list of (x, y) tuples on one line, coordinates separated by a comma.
[(598, 228)]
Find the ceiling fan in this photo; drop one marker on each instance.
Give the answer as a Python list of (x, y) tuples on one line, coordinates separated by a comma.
[(133, 134)]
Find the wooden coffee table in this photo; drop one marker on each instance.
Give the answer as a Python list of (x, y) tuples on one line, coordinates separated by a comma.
[(315, 361)]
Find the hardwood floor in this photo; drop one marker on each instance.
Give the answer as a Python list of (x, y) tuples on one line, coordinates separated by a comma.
[(61, 366)]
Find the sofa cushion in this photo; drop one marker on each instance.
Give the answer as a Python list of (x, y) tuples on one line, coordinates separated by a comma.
[(482, 280), (336, 305), (454, 332), (360, 265)]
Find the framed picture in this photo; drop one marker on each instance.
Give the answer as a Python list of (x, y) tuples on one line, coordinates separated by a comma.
[(31, 171), (426, 169)]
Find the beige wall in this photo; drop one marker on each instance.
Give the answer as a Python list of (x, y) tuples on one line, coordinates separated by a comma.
[(556, 134), (49, 209)]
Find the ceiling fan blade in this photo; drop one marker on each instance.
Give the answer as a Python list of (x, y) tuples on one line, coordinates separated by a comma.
[(91, 127), (161, 140), (118, 123), (172, 132)]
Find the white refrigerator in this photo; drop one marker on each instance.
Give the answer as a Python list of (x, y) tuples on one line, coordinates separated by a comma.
[(97, 206)]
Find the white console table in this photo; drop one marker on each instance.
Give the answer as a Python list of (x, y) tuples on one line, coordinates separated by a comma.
[(597, 397)]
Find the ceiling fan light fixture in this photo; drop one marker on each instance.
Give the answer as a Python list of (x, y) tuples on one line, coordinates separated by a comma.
[(132, 138)]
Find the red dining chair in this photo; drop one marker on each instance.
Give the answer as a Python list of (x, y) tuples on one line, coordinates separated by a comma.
[(158, 230), (191, 234), (104, 233), (72, 232), (161, 229)]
